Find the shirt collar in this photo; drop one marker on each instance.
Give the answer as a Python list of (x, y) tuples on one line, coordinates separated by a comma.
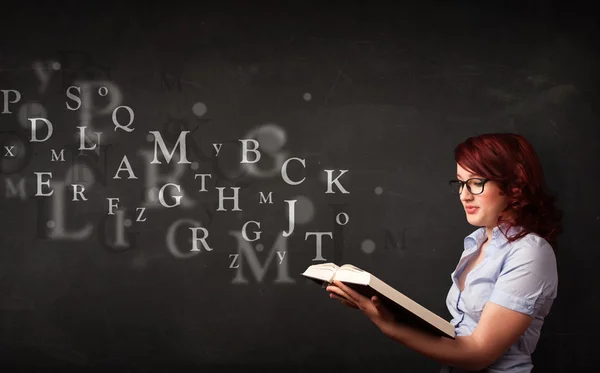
[(475, 239)]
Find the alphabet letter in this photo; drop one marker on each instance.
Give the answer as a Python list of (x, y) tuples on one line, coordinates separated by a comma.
[(141, 212), (6, 92), (234, 198), (291, 216), (195, 239), (319, 242), (33, 122), (74, 98), (161, 195), (111, 205), (57, 157), (330, 182), (235, 256), (245, 151), (262, 198), (158, 141), (40, 183), (284, 174), (203, 181), (127, 168), (76, 192), (245, 234)]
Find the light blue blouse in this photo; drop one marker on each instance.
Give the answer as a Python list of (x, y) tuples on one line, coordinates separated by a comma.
[(521, 276)]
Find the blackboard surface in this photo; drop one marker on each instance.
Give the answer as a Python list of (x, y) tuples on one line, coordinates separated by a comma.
[(383, 91)]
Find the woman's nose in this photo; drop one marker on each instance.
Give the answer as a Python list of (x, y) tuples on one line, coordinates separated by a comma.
[(465, 195)]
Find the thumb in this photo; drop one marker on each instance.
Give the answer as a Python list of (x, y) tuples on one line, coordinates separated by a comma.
[(375, 300)]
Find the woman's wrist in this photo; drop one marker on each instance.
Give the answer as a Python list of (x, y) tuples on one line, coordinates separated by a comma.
[(395, 330)]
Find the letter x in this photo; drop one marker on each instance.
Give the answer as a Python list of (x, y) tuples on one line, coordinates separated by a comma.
[(9, 152)]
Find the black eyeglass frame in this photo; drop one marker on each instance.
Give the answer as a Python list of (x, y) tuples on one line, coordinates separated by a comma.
[(466, 182)]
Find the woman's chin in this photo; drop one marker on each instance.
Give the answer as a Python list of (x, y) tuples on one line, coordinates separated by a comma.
[(473, 220)]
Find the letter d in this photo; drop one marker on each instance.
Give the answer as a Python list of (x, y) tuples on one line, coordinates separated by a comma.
[(33, 122)]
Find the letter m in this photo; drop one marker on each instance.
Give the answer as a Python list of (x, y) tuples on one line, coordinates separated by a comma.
[(13, 190), (246, 250)]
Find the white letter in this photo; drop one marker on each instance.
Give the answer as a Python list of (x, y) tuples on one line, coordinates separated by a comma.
[(319, 243), (40, 183), (74, 98), (161, 195), (195, 239), (245, 151), (111, 205), (127, 168), (57, 157), (33, 122), (5, 92), (262, 198), (83, 138), (284, 175), (256, 234), (158, 141), (234, 198), (291, 217), (8, 150), (281, 256), (330, 182), (217, 148), (126, 127), (76, 192), (235, 256), (338, 220), (141, 213), (203, 181)]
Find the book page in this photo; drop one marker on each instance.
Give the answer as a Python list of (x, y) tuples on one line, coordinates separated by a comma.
[(350, 267), (327, 266), (352, 274), (323, 271)]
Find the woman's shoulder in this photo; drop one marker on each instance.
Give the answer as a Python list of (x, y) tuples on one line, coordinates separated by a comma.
[(535, 253), (532, 244)]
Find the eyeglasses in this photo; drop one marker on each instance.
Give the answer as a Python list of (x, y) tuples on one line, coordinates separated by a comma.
[(474, 185)]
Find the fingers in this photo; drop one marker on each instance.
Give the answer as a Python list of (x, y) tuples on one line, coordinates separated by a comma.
[(340, 292), (381, 308), (377, 303), (336, 292), (352, 294)]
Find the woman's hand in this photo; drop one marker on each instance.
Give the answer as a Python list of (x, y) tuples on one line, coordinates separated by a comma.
[(373, 308), (336, 293)]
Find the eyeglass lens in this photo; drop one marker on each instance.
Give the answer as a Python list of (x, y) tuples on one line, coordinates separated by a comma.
[(475, 186)]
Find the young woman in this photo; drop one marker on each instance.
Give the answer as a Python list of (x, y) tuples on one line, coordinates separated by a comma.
[(506, 279)]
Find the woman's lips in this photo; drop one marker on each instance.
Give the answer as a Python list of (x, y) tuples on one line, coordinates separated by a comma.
[(471, 210)]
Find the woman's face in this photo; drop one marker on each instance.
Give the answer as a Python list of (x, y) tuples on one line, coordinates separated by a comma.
[(489, 204)]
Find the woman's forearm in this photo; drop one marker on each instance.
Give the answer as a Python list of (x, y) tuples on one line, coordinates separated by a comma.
[(461, 352)]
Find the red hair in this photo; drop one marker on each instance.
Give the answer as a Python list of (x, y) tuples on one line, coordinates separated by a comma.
[(510, 160)]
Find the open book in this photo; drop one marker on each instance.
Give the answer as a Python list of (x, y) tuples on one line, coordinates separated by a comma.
[(406, 310)]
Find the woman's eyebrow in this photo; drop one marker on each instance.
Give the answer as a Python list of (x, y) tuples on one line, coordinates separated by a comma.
[(470, 175)]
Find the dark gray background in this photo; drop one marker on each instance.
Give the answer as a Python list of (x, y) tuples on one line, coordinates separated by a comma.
[(393, 90)]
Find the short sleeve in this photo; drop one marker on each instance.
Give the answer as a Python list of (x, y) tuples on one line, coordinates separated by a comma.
[(528, 277)]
